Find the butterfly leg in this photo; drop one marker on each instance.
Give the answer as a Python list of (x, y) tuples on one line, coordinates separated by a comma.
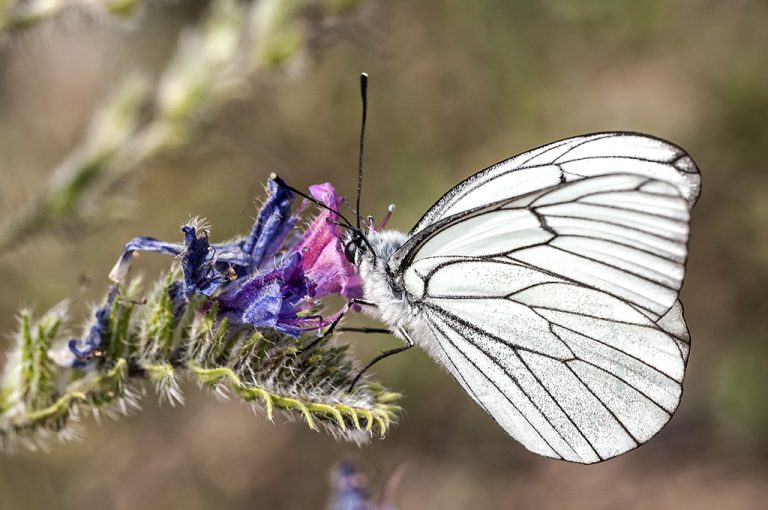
[(385, 354), (332, 327), (344, 329)]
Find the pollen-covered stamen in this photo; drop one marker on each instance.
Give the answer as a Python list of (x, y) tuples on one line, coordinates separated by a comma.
[(386, 218)]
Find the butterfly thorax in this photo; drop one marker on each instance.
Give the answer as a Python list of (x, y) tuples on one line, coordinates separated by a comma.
[(380, 284)]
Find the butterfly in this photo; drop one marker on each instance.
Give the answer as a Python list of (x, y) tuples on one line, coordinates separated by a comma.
[(548, 286)]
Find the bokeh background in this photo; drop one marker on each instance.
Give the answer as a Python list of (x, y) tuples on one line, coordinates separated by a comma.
[(455, 86)]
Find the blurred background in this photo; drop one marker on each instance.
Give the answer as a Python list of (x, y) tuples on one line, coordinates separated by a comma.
[(455, 86)]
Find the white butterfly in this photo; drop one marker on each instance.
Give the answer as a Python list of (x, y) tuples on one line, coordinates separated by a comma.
[(548, 286)]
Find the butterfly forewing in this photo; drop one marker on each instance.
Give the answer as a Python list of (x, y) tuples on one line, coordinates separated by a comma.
[(569, 160)]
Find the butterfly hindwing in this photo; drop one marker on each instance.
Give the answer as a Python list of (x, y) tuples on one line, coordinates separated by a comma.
[(558, 310)]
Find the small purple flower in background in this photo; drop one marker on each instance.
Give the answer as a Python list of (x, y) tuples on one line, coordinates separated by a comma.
[(323, 253), (350, 489)]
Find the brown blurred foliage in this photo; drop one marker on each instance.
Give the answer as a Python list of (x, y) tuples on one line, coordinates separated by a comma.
[(455, 86)]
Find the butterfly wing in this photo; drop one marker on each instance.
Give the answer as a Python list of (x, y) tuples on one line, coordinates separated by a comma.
[(558, 310), (568, 160)]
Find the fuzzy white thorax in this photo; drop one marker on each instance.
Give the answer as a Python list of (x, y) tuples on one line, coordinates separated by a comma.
[(385, 289)]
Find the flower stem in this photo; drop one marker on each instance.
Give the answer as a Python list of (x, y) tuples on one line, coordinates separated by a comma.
[(150, 343)]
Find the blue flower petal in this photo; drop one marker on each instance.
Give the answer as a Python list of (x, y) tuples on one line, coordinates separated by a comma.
[(272, 225), (271, 300), (120, 271)]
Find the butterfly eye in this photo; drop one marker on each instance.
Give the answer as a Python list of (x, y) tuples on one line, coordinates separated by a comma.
[(350, 250)]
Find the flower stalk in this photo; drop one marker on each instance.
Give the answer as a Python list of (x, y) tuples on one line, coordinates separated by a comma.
[(18, 15), (183, 327)]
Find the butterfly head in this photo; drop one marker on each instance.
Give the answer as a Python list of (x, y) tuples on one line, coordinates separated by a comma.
[(354, 246), (372, 247)]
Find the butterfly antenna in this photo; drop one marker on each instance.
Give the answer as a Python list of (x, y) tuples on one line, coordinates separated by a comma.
[(287, 186), (364, 97)]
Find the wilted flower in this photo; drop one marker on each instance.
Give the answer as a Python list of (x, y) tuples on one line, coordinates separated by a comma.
[(208, 266)]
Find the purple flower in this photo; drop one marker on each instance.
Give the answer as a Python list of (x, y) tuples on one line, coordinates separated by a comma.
[(198, 260), (275, 299), (85, 348), (323, 253), (350, 491), (314, 267), (208, 266), (252, 289)]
